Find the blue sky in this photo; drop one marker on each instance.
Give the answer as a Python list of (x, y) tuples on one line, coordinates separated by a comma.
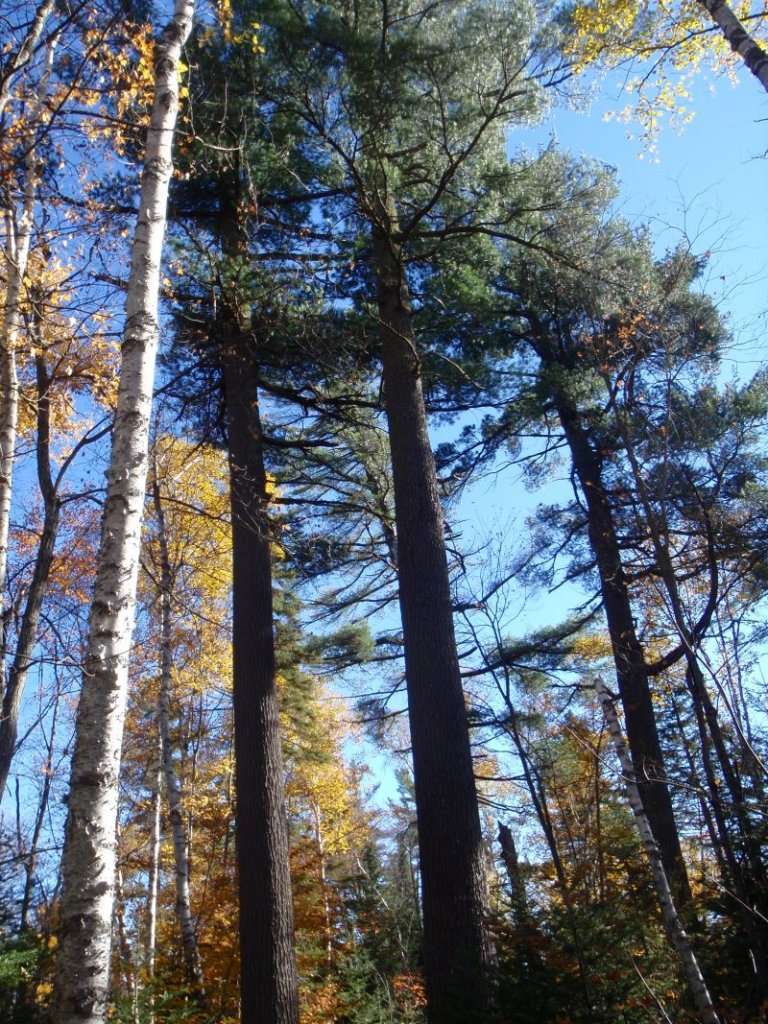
[(710, 181)]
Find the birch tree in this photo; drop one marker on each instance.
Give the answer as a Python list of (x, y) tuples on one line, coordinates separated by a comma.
[(24, 52), (739, 39), (674, 926), (186, 921), (88, 861), (18, 239)]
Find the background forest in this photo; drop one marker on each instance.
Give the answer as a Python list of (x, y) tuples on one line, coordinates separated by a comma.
[(383, 519)]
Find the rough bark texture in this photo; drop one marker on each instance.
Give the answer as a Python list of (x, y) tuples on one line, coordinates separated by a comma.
[(18, 232), (88, 862), (739, 40), (191, 953), (676, 932), (268, 983), (631, 669), (457, 951)]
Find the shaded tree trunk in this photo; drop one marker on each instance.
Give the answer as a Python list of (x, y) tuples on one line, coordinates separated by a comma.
[(457, 951), (674, 927), (747, 876), (515, 878), (737, 37), (155, 844), (268, 992), (42, 809), (81, 983), (30, 622), (631, 668), (18, 233), (191, 953)]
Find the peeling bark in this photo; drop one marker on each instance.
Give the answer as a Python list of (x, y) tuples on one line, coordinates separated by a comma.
[(88, 863)]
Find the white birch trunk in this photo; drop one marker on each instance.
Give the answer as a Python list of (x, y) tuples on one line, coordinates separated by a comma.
[(25, 52), (739, 40), (88, 862), (191, 952), (674, 927), (18, 233)]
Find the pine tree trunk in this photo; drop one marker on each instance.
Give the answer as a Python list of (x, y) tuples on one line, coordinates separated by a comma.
[(739, 40), (191, 953), (457, 951), (747, 875), (88, 863), (674, 927), (631, 669), (268, 991), (18, 232)]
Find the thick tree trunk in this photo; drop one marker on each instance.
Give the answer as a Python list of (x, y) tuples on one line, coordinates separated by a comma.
[(268, 989), (88, 862), (739, 40), (30, 622), (631, 669), (674, 927), (18, 233), (192, 964), (457, 951)]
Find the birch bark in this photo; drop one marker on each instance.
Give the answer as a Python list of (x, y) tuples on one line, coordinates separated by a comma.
[(672, 923), (24, 53), (88, 862), (18, 232), (739, 40)]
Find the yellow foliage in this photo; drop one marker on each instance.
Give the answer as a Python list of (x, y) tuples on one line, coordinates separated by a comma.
[(668, 40), (592, 647)]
